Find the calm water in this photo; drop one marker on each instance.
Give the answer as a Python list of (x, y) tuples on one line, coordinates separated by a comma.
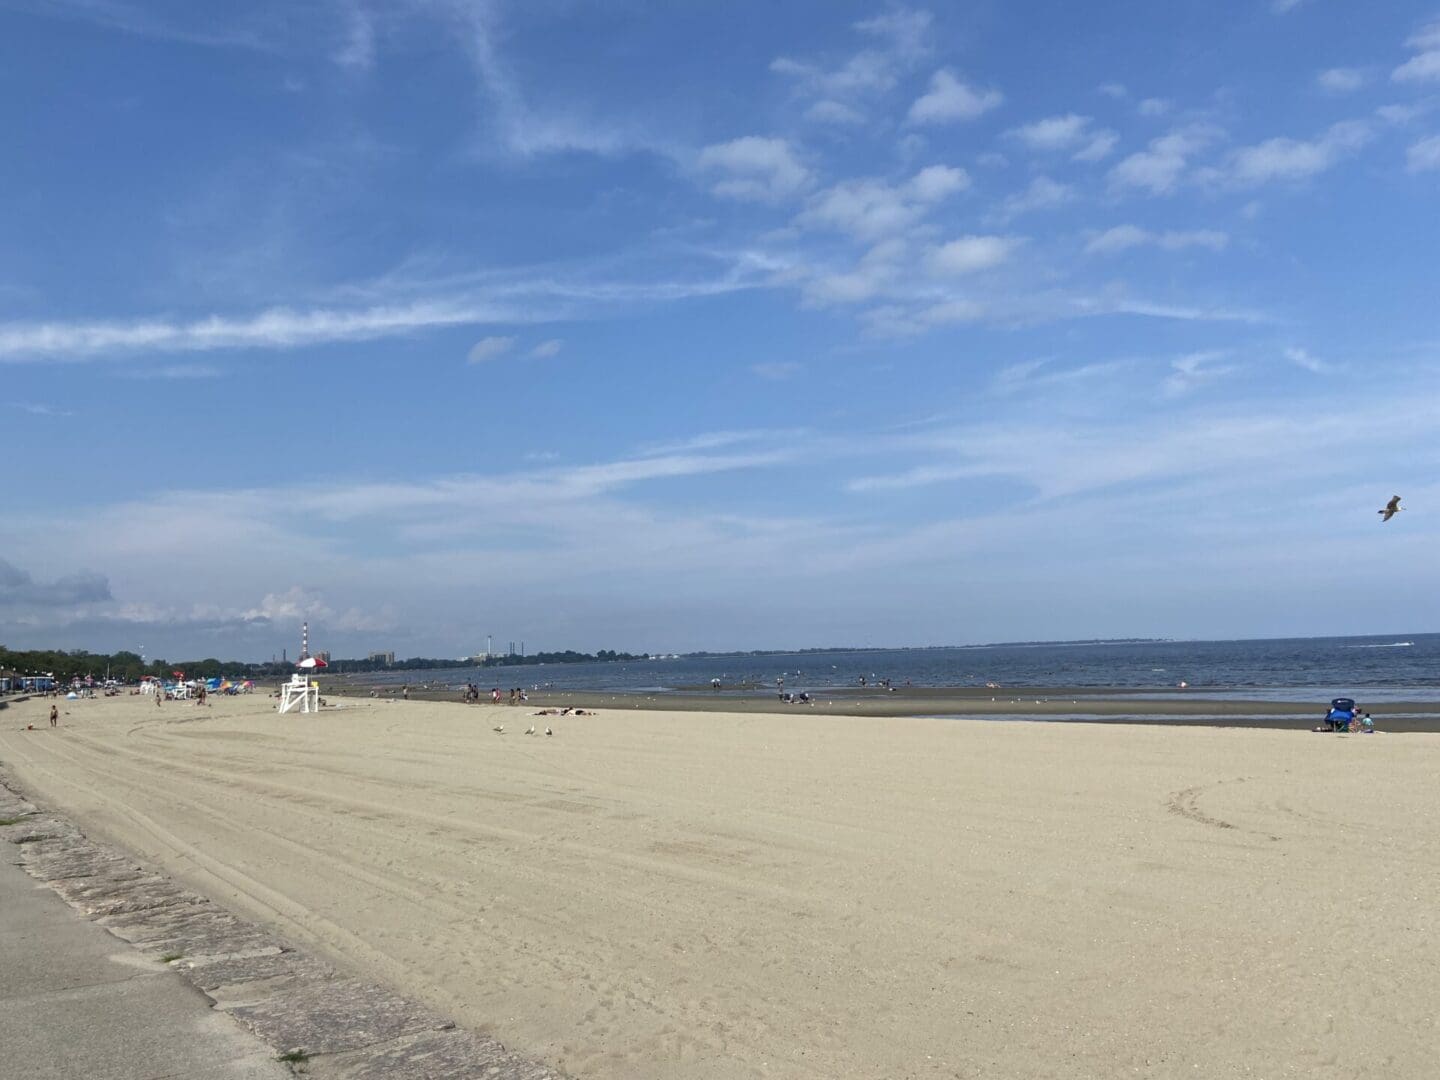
[(1391, 667)]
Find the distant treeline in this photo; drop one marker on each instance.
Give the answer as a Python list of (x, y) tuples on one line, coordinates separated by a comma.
[(129, 667), (126, 666), (419, 663)]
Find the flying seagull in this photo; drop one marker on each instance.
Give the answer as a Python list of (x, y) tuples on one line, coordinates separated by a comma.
[(1391, 508)]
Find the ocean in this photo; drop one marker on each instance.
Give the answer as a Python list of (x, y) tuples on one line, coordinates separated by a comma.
[(1386, 667)]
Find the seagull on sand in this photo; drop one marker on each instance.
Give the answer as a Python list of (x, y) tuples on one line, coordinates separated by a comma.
[(530, 730), (549, 732), (1391, 508), (499, 729)]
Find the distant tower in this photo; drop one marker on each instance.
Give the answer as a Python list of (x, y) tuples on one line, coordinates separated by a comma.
[(304, 640)]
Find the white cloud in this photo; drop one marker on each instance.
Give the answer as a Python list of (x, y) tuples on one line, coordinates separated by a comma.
[(1042, 193), (1301, 358), (35, 408), (1125, 237), (490, 348), (970, 254), (1424, 66), (277, 328), (1052, 133), (1154, 106), (1159, 167), (949, 99), (1403, 114), (518, 128), (878, 268), (1282, 7), (547, 349), (1190, 372), (841, 93), (757, 169), (896, 321), (936, 182), (1069, 132), (871, 210), (1098, 148), (175, 371), (1113, 90), (834, 112), (1341, 80), (357, 49), (1424, 155), (778, 370), (905, 28), (1290, 159)]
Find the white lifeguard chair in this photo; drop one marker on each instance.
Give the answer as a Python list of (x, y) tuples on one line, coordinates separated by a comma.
[(299, 695)]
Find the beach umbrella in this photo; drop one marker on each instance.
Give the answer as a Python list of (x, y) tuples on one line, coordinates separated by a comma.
[(311, 662)]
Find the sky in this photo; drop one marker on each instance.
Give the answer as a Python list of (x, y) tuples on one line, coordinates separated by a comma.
[(676, 325)]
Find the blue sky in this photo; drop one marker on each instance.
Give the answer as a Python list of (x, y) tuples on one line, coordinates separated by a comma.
[(677, 325)]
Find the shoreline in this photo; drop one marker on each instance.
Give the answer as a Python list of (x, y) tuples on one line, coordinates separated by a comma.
[(1021, 704), (740, 895)]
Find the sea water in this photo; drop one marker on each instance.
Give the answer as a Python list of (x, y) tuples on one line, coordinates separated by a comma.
[(1387, 667)]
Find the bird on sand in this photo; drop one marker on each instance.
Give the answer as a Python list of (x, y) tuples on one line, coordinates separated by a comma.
[(530, 730), (1391, 508), (499, 729), (549, 732)]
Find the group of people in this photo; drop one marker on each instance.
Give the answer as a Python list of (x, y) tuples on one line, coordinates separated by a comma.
[(1345, 715), (471, 695)]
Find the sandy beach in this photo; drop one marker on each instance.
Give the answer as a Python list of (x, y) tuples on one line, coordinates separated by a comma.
[(661, 894)]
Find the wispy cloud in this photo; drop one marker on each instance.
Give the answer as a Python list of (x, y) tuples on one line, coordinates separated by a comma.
[(546, 349), (1125, 237), (490, 348), (1302, 358), (1282, 159), (1340, 80), (841, 93), (1423, 155), (174, 371), (520, 128), (39, 409), (277, 328), (777, 370), (1042, 193), (1424, 66), (207, 30), (1069, 133), (1189, 373)]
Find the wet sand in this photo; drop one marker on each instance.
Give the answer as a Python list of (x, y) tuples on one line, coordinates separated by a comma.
[(1095, 705), (661, 894)]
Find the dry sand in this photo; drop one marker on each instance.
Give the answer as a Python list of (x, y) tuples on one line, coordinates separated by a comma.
[(673, 895)]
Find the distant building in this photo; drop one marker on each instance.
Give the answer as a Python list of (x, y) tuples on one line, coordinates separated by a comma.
[(324, 655), (386, 658)]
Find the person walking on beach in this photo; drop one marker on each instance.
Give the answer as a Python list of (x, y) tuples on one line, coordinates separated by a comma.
[(54, 715), (405, 692)]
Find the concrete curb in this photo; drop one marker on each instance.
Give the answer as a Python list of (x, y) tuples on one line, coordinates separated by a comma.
[(328, 1025)]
